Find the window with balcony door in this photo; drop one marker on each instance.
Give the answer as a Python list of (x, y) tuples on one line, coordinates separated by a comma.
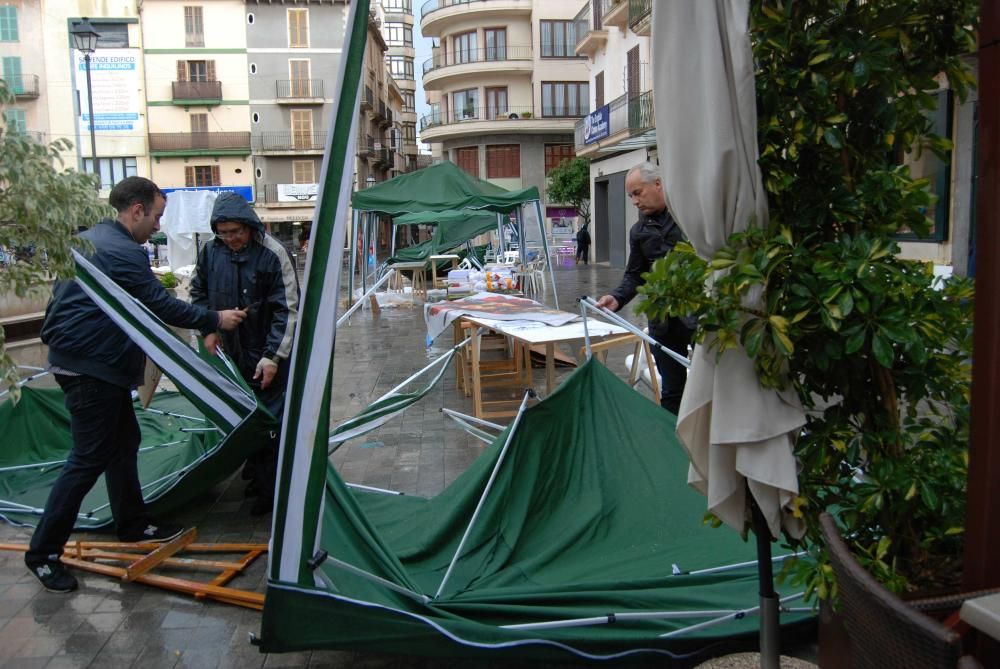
[(409, 132), (555, 154), (467, 158), (111, 170), (15, 120), (199, 123), (11, 73), (302, 128), (465, 104), (463, 49), (558, 39), (598, 90), (401, 67), (496, 103), (304, 171), (196, 70), (298, 75), (632, 73), (398, 34), (194, 27), (565, 98), (298, 27), (409, 101), (496, 43), (8, 23), (503, 161), (201, 175)]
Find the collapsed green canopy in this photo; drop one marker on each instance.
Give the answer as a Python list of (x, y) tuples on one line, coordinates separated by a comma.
[(437, 188), (453, 230), (587, 514)]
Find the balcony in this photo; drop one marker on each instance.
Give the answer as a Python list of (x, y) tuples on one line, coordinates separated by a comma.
[(508, 119), (640, 16), (289, 143), (631, 124), (197, 92), (366, 146), (381, 156), (179, 144), (299, 91), (614, 13), (23, 86), (368, 99), (590, 37), (436, 16), (378, 111), (476, 62)]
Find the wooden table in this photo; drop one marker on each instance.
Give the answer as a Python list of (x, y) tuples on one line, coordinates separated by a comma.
[(525, 334), (417, 269), (434, 274)]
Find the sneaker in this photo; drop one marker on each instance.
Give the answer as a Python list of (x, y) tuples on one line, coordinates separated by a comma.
[(54, 576), (155, 534)]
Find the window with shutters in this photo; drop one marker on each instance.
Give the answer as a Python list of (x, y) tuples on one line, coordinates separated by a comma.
[(194, 27), (298, 73), (15, 120), (11, 73), (632, 71), (298, 27), (467, 158), (598, 90), (304, 171), (8, 23), (197, 70), (555, 154), (201, 175), (503, 161), (302, 128)]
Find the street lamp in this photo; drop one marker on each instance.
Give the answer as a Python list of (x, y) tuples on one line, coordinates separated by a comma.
[(85, 41)]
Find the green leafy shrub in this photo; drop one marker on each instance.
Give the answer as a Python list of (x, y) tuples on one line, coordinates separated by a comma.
[(879, 356)]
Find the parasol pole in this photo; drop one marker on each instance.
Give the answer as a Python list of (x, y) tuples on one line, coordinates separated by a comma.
[(769, 605)]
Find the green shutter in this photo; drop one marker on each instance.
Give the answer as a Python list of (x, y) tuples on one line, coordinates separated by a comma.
[(16, 121), (8, 23), (12, 74)]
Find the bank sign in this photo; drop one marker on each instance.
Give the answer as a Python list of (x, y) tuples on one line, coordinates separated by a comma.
[(114, 75), (597, 125)]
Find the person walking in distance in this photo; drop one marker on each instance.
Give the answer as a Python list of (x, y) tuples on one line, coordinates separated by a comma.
[(97, 366), (653, 236), (583, 244)]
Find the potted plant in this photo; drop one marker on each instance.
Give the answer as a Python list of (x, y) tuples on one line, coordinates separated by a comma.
[(169, 281), (878, 352), (526, 114)]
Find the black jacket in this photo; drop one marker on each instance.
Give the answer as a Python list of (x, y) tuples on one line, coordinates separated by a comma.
[(83, 339), (260, 276), (651, 238)]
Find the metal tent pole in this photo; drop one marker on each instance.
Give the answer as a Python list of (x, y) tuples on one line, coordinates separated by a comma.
[(545, 250), (769, 623), (353, 251)]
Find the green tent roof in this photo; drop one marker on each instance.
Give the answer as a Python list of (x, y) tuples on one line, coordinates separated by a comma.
[(439, 188), (451, 216), (454, 229)]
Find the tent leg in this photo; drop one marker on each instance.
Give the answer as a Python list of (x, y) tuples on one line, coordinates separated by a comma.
[(353, 251), (545, 250), (769, 641)]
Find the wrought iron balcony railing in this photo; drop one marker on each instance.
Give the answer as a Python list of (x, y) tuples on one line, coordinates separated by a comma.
[(197, 90), (299, 88), (23, 85), (466, 56), (281, 141), (469, 114), (160, 142)]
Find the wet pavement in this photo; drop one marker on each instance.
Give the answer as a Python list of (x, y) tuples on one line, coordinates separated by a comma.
[(108, 623)]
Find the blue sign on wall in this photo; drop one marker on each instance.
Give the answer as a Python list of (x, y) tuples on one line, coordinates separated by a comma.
[(597, 125), (245, 191)]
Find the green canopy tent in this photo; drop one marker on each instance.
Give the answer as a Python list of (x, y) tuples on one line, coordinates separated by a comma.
[(574, 534), (442, 187), (451, 230)]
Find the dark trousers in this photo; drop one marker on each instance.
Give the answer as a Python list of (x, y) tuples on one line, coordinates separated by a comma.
[(676, 336), (582, 253), (105, 441)]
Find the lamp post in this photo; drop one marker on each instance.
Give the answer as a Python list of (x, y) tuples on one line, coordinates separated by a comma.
[(85, 41)]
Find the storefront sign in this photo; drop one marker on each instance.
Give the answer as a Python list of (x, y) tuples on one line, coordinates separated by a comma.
[(115, 80), (297, 192), (245, 191)]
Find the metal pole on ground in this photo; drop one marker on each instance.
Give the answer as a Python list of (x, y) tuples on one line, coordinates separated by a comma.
[(769, 623)]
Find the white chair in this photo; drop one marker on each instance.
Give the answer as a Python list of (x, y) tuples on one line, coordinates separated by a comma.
[(510, 257)]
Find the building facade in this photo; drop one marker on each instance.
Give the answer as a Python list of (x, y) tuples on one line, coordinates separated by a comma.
[(506, 88), (22, 67), (397, 31), (620, 131)]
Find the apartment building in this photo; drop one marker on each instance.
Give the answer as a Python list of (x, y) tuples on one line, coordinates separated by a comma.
[(619, 132), (397, 30), (506, 88), (199, 130), (22, 67)]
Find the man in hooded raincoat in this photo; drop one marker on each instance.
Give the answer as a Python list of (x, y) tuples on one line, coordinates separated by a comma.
[(246, 268)]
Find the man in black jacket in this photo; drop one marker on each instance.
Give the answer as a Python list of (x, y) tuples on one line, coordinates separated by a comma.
[(97, 365), (246, 268), (653, 236)]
